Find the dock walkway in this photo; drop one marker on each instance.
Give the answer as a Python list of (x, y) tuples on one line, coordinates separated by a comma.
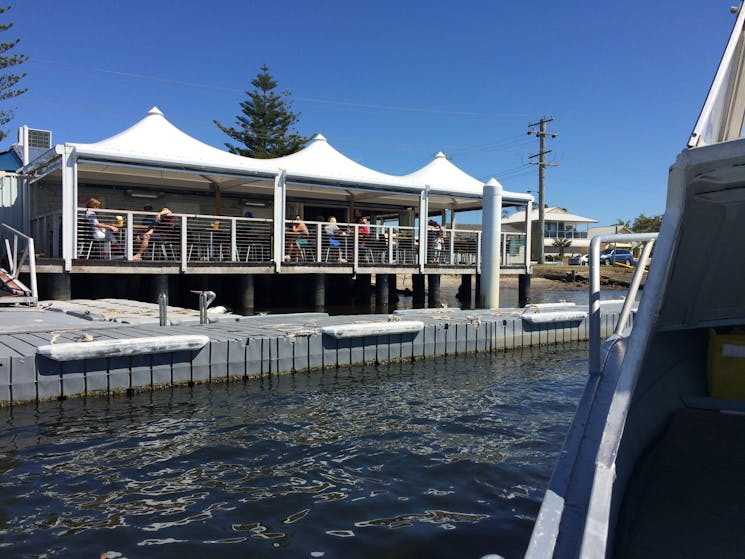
[(92, 347)]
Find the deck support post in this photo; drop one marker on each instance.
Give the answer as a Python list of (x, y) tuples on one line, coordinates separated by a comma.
[(363, 290), (319, 292), (523, 290), (59, 286), (417, 284), (159, 285), (247, 294), (382, 297), (464, 291), (433, 290), (392, 288)]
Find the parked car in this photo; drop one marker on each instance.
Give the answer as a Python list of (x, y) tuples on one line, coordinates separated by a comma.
[(579, 260), (613, 255)]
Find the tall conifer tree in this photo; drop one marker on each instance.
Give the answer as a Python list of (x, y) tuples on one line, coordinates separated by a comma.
[(264, 127), (8, 79)]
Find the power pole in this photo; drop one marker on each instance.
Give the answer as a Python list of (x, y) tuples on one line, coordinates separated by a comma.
[(541, 133)]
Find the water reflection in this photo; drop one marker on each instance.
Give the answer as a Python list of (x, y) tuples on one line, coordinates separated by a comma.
[(443, 458)]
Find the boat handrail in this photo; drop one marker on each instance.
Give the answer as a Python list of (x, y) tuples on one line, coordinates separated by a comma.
[(594, 320)]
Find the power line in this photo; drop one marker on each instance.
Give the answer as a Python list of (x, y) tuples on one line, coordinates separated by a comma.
[(332, 102)]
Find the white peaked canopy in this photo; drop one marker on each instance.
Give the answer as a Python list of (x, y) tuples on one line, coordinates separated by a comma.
[(444, 177), (322, 161), (153, 139), (153, 152)]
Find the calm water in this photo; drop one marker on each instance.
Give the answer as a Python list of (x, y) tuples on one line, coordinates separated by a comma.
[(439, 458)]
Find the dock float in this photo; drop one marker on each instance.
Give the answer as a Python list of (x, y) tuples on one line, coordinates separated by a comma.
[(83, 348)]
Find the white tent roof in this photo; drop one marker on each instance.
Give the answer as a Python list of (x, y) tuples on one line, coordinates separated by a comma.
[(549, 214), (442, 176), (154, 141), (320, 160)]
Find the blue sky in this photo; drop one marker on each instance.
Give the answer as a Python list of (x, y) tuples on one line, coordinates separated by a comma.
[(390, 83)]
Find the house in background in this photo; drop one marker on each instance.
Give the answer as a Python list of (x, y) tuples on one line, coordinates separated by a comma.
[(616, 229), (558, 224)]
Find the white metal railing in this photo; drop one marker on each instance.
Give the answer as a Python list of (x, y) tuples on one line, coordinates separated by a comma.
[(176, 237), (19, 251), (353, 243), (647, 240), (513, 249), (188, 240)]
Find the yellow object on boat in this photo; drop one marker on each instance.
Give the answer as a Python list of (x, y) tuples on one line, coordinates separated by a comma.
[(726, 367)]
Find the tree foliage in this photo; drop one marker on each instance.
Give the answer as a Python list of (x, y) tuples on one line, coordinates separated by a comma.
[(8, 77), (264, 127), (562, 244), (621, 223), (644, 224)]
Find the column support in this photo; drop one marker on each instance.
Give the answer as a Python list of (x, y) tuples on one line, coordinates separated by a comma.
[(488, 297)]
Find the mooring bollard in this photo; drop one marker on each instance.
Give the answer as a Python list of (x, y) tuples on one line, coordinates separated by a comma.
[(163, 308), (203, 308), (205, 300)]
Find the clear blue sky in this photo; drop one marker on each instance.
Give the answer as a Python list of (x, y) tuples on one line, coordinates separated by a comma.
[(390, 83)]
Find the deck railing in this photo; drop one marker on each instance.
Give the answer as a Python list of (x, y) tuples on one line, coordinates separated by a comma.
[(19, 252), (193, 239)]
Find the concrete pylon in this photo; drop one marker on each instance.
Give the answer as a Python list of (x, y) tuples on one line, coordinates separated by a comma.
[(490, 245)]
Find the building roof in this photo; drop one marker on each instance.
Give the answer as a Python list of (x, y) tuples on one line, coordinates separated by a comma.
[(608, 230), (155, 139), (442, 176), (10, 160), (155, 142), (321, 160), (549, 214)]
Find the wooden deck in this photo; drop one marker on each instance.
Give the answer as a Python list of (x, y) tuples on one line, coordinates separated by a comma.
[(118, 266)]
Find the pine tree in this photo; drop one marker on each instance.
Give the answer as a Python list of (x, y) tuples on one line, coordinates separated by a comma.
[(9, 80), (264, 125)]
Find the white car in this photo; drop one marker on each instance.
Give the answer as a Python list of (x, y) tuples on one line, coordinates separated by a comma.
[(579, 260)]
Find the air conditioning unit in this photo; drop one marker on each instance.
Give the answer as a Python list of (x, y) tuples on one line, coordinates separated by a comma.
[(39, 138), (32, 142), (34, 138)]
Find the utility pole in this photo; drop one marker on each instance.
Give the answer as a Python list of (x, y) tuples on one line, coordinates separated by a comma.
[(541, 133)]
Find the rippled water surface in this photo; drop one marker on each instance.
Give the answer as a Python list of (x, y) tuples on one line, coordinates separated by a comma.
[(439, 458)]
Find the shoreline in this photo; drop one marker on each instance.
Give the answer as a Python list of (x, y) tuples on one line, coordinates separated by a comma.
[(548, 278)]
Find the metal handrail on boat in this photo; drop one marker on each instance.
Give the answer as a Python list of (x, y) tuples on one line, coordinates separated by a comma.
[(594, 319)]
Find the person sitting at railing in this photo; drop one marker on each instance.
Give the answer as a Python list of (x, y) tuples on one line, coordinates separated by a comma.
[(102, 232), (363, 236), (435, 238), (156, 227), (332, 229), (297, 238)]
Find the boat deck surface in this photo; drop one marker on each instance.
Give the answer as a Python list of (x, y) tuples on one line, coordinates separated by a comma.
[(688, 497)]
